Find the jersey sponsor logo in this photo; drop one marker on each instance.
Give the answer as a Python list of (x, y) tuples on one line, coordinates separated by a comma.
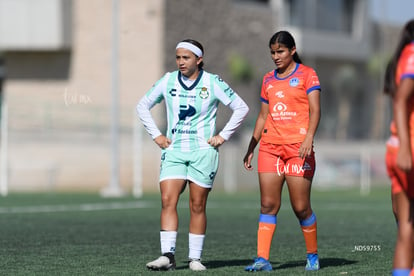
[(270, 86), (192, 97), (173, 92), (307, 167), (204, 93), (294, 82), (280, 112), (282, 168), (279, 107), (186, 111), (229, 91), (279, 94), (183, 131), (315, 80)]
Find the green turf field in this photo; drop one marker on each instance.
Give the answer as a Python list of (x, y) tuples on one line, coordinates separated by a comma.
[(67, 234)]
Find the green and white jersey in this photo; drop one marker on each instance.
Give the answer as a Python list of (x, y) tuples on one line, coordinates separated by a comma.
[(191, 110)]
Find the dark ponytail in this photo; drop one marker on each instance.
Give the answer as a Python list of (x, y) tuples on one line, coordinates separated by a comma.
[(286, 39)]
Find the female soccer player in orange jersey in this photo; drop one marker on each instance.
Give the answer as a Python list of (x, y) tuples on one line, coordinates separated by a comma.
[(285, 127), (399, 84)]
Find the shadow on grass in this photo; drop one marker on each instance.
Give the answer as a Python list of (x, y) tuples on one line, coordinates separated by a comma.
[(324, 262), (219, 263)]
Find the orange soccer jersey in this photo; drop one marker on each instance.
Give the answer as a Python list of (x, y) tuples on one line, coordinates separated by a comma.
[(400, 180), (288, 119), (405, 69)]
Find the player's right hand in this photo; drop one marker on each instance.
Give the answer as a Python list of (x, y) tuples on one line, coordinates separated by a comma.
[(404, 160), (162, 141), (247, 161)]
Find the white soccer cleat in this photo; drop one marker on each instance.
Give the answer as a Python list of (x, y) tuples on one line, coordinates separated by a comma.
[(196, 265), (162, 263)]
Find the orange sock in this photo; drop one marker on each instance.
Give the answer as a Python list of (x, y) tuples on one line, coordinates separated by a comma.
[(267, 227), (310, 234)]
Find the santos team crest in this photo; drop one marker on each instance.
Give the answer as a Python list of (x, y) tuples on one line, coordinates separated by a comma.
[(204, 93)]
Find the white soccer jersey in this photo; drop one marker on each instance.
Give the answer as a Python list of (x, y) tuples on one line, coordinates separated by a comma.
[(191, 111)]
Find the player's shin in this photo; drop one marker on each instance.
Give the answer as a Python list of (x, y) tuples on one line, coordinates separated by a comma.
[(267, 227), (310, 234)]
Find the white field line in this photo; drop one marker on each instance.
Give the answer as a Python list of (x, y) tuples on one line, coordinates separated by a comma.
[(317, 206), (87, 207), (80, 207)]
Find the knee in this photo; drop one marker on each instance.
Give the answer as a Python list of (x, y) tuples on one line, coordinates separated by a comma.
[(197, 207), (302, 212), (269, 206), (405, 232), (168, 201)]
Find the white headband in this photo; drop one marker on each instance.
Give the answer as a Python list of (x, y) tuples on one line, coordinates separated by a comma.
[(189, 46)]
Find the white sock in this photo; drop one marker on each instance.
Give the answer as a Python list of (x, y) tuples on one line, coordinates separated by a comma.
[(168, 240), (195, 245)]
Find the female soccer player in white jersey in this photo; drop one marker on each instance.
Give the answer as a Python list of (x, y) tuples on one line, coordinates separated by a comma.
[(190, 145)]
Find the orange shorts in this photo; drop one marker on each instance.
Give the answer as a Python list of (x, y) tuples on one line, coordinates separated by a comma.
[(400, 180), (284, 160)]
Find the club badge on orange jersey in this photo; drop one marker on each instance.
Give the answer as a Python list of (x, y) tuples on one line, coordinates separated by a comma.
[(294, 82)]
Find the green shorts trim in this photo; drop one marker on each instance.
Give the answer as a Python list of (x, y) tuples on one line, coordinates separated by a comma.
[(199, 166)]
